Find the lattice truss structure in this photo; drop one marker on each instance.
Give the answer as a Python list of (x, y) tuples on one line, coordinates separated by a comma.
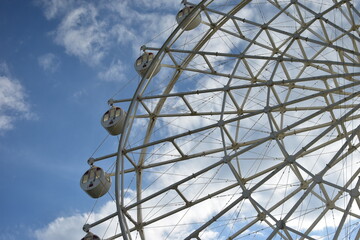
[(251, 128)]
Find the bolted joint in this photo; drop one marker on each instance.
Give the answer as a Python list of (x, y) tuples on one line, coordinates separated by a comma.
[(111, 101), (354, 193), (270, 83), (221, 123), (296, 35), (290, 159), (280, 224), (330, 205), (267, 109), (274, 135), (152, 116), (91, 161), (246, 193), (86, 228), (261, 216), (304, 185), (318, 178), (226, 159)]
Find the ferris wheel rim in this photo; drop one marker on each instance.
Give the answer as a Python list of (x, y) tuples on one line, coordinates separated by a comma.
[(119, 169)]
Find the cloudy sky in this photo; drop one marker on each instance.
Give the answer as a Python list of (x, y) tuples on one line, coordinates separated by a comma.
[(60, 61)]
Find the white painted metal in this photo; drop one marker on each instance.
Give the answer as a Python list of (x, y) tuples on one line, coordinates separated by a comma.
[(190, 22), (90, 236), (113, 120), (255, 132), (144, 65), (95, 182)]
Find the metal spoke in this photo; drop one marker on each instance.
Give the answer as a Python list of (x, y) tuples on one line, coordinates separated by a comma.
[(250, 128)]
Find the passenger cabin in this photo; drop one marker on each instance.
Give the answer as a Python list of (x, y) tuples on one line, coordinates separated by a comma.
[(113, 120), (192, 22), (143, 63), (95, 182), (90, 236)]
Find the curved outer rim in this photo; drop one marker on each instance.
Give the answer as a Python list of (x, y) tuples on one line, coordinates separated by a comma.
[(119, 171)]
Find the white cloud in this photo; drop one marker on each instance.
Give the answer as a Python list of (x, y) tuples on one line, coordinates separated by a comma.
[(70, 227), (7, 236), (144, 25), (114, 73), (83, 35), (79, 94), (5, 123), (165, 4), (122, 34), (15, 232), (89, 30), (63, 228), (13, 103), (49, 62), (54, 8)]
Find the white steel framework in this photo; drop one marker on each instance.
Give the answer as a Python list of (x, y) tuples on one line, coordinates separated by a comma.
[(250, 130)]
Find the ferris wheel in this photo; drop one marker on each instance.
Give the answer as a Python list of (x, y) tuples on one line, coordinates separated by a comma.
[(245, 125)]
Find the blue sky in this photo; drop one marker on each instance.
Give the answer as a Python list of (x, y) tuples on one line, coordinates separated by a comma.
[(60, 61)]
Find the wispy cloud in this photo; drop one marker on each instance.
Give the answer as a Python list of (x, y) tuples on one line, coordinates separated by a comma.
[(55, 8), (91, 31), (49, 62), (83, 35), (13, 102), (70, 227), (114, 73), (62, 228), (87, 34)]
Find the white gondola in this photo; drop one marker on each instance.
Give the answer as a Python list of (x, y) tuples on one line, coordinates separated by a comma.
[(90, 236), (113, 120), (191, 23), (95, 182), (142, 64)]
